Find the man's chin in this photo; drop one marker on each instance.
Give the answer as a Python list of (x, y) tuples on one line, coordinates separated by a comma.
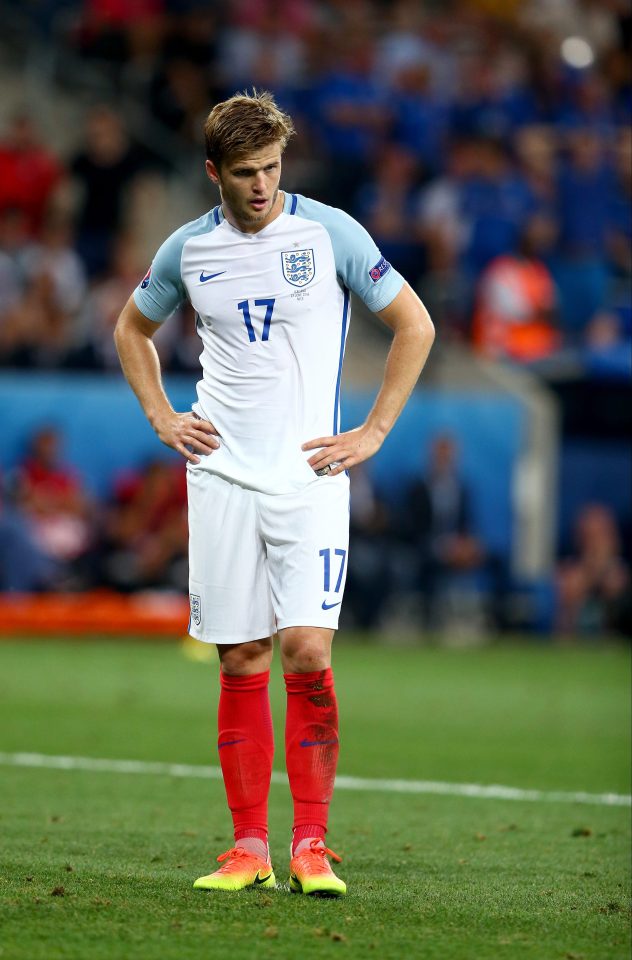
[(257, 217)]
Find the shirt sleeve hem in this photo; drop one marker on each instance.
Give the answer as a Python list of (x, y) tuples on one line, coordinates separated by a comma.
[(147, 311), (387, 298)]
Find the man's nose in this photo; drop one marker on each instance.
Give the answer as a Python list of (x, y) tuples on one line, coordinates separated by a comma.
[(260, 182)]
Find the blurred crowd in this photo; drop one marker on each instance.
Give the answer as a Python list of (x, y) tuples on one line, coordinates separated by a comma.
[(419, 563), (55, 536), (486, 145)]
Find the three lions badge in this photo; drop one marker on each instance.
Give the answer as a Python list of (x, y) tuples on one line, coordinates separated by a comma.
[(298, 266)]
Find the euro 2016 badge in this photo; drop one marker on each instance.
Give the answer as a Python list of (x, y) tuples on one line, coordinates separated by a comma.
[(298, 266), (196, 609)]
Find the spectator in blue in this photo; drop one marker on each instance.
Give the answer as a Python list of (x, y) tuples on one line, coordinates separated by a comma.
[(496, 202), (489, 105), (386, 204), (607, 347), (584, 191), (351, 115), (420, 118), (590, 106)]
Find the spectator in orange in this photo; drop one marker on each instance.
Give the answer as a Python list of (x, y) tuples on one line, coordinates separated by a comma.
[(593, 592), (29, 172), (514, 317)]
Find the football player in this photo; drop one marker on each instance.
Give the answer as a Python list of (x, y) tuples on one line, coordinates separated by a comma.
[(269, 275)]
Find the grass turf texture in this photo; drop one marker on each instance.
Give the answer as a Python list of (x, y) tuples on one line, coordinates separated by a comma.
[(97, 865)]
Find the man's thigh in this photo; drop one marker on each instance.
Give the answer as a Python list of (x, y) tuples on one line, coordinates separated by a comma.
[(307, 542), (228, 579)]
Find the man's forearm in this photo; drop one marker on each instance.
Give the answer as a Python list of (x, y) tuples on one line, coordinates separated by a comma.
[(141, 366), (184, 432), (404, 363)]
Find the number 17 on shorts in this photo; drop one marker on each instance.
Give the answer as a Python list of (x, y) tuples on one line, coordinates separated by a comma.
[(334, 597)]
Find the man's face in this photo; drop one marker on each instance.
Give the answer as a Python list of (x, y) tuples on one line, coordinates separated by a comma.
[(249, 187)]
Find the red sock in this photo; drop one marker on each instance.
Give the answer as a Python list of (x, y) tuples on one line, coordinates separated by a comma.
[(311, 749), (246, 746)]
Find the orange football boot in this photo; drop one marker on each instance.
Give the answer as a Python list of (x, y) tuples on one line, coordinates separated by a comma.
[(311, 873), (240, 869)]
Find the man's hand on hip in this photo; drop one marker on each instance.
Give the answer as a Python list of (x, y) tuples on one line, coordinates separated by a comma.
[(187, 433), (344, 450)]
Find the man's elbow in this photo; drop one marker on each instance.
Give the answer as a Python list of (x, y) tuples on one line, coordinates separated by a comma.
[(424, 326), (125, 332), (119, 332), (131, 324), (428, 327)]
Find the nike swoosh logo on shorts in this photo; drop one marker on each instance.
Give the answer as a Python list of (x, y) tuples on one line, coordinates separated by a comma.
[(210, 276), (329, 606)]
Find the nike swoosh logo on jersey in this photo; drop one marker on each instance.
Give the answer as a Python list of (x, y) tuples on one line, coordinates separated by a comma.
[(209, 276), (329, 606)]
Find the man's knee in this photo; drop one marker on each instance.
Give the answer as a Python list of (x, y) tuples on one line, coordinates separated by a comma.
[(242, 659), (304, 649)]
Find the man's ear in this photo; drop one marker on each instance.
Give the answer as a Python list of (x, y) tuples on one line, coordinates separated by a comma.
[(211, 171)]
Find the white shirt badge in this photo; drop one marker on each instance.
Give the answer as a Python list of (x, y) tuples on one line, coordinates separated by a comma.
[(298, 266)]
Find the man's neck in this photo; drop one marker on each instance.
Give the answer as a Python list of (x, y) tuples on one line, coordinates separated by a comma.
[(254, 227)]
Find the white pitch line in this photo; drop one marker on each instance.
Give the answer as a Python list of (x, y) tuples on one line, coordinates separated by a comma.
[(476, 790)]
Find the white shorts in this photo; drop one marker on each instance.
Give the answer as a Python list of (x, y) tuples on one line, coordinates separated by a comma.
[(260, 562)]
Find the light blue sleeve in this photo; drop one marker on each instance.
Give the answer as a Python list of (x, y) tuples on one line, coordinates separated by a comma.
[(359, 263), (161, 291)]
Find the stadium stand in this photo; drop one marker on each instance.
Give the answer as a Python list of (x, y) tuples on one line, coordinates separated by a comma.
[(490, 157)]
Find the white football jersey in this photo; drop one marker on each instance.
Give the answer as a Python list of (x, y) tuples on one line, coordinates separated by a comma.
[(273, 315)]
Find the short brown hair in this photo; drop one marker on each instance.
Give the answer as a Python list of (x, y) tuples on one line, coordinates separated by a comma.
[(245, 123)]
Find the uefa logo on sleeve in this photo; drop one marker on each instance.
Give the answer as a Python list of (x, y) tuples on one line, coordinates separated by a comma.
[(377, 272), (145, 281)]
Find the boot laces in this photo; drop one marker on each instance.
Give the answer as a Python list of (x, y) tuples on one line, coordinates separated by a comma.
[(316, 854), (233, 856)]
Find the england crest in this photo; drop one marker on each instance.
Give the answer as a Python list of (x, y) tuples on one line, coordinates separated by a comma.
[(298, 266), (196, 609)]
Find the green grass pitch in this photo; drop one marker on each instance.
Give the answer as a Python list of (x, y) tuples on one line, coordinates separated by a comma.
[(100, 864)]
